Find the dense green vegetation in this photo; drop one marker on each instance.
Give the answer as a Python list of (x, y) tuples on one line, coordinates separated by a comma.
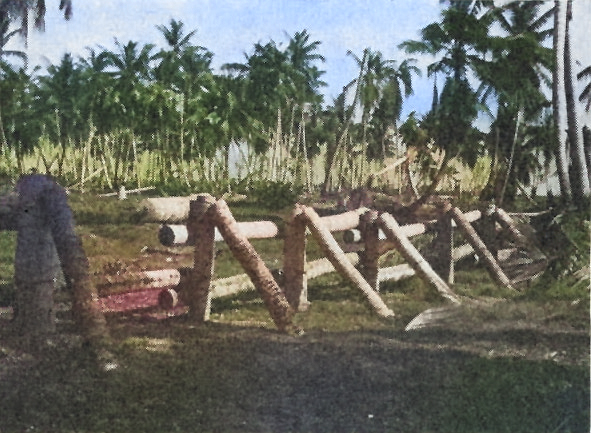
[(157, 114)]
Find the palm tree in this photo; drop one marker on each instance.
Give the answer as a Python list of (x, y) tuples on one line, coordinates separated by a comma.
[(585, 95), (14, 10), (302, 54), (5, 36), (61, 93), (517, 72), (580, 172), (459, 38), (560, 137)]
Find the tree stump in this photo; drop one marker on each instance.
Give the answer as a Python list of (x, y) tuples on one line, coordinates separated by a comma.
[(43, 216)]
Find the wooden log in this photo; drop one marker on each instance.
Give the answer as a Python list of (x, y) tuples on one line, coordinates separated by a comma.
[(343, 221), (167, 209), (439, 252), (479, 247), (462, 251), (323, 266), (123, 192), (396, 273), (294, 261), (338, 259), (371, 254), (351, 236), (509, 225), (201, 233), (487, 228), (413, 257), (274, 298), (134, 281), (177, 235)]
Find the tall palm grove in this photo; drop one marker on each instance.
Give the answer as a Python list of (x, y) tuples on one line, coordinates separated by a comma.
[(157, 114)]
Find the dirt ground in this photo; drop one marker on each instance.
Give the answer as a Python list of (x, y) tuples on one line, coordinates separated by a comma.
[(507, 367)]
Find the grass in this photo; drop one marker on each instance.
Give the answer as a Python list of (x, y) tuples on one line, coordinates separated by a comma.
[(516, 366)]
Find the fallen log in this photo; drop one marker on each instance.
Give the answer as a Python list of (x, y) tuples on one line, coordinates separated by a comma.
[(338, 259), (135, 281)]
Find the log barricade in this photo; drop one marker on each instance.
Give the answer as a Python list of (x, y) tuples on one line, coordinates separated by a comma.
[(210, 221)]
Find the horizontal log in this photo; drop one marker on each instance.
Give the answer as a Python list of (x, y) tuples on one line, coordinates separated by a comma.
[(353, 235), (177, 234), (344, 221), (135, 281), (167, 209)]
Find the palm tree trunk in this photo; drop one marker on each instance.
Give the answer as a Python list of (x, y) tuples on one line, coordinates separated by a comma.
[(518, 122), (3, 141), (558, 102), (581, 186)]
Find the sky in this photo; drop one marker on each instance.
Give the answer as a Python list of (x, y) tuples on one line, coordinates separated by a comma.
[(230, 28)]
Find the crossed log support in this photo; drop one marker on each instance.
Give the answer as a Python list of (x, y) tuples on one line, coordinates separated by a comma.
[(210, 220)]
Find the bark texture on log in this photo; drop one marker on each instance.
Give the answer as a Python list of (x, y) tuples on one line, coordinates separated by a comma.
[(42, 196), (274, 298), (508, 224), (439, 253), (479, 247), (201, 232), (135, 281), (371, 254), (294, 261), (414, 258), (337, 257)]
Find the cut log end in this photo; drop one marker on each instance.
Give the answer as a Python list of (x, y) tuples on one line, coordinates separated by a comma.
[(168, 299)]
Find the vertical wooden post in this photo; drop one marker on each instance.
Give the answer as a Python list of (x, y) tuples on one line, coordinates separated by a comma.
[(261, 277), (479, 246), (371, 254), (201, 234), (414, 258), (439, 253), (486, 229), (294, 261), (337, 257)]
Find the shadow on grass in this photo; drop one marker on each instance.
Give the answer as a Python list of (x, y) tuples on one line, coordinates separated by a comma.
[(231, 379)]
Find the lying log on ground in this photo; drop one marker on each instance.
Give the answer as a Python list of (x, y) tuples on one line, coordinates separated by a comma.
[(141, 280)]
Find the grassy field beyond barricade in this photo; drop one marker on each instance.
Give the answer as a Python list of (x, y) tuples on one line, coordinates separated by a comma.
[(517, 362)]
